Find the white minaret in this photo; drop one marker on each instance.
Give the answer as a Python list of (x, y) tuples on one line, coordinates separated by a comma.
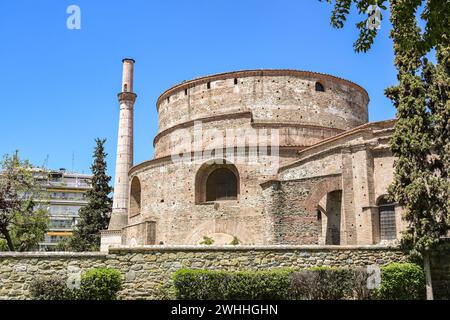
[(124, 159)]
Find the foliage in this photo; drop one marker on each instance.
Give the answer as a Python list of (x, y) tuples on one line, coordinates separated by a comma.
[(401, 281), (224, 285), (101, 284), (436, 15), (421, 139), (96, 284), (22, 223), (327, 283), (95, 216), (51, 288), (422, 134), (207, 241), (313, 284), (235, 241), (64, 244), (421, 143)]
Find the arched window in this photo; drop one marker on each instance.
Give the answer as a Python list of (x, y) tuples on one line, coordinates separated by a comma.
[(320, 87), (135, 197), (386, 209), (221, 185), (216, 180)]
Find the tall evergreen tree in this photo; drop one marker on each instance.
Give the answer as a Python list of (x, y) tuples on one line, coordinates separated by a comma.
[(421, 139), (95, 216)]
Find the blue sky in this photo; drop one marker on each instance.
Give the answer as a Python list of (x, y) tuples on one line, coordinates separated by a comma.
[(59, 87)]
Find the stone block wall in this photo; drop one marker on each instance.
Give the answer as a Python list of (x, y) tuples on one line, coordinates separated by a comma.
[(440, 265), (145, 270)]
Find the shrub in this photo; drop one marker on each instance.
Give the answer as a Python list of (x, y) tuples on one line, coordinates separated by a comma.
[(64, 244), (101, 284), (328, 283), (235, 241), (207, 241), (51, 288), (224, 285), (401, 281), (319, 283)]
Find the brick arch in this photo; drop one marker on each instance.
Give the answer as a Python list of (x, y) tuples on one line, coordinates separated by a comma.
[(206, 170), (135, 197), (320, 189), (211, 227)]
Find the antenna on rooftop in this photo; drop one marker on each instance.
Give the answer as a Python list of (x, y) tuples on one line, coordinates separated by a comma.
[(45, 163)]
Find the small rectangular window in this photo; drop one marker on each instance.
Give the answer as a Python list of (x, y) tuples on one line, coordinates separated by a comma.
[(235, 81), (208, 85), (185, 92)]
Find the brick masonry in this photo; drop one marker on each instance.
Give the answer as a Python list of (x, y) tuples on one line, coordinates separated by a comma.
[(323, 145), (320, 182)]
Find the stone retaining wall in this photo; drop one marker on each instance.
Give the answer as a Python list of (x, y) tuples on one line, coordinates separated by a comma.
[(440, 271), (147, 269)]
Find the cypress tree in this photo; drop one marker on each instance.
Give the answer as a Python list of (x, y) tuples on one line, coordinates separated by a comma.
[(421, 139), (95, 216)]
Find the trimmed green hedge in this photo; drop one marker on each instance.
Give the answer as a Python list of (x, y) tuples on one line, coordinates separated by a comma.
[(224, 285), (96, 284), (401, 281), (314, 284), (329, 283), (101, 284), (398, 281), (51, 288)]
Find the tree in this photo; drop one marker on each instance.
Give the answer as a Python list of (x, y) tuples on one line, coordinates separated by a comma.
[(421, 139), (95, 216), (23, 223)]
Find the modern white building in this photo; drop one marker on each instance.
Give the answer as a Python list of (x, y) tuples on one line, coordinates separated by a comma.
[(64, 193)]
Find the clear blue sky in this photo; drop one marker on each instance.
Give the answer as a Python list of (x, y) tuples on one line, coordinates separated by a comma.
[(59, 87)]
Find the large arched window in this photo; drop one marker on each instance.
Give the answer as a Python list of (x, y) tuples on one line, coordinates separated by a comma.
[(216, 180), (135, 197), (386, 210), (221, 185)]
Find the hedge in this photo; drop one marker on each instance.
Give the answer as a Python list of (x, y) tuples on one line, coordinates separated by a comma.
[(101, 284), (329, 283), (96, 284), (224, 285), (398, 281), (313, 284), (51, 288), (401, 281)]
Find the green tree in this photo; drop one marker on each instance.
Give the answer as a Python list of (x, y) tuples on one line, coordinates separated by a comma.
[(421, 139), (23, 222), (95, 216)]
